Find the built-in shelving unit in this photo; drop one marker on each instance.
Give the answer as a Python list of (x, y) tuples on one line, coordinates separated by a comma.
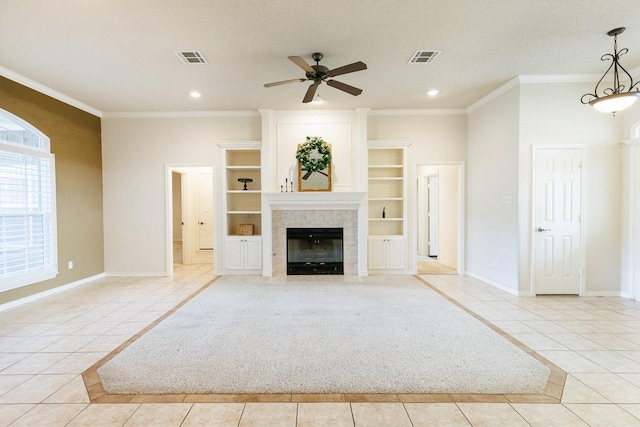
[(242, 222), (387, 205)]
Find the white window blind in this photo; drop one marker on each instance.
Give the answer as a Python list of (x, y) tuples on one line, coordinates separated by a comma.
[(28, 248)]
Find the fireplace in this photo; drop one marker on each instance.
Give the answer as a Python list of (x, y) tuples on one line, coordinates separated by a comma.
[(315, 210), (315, 251)]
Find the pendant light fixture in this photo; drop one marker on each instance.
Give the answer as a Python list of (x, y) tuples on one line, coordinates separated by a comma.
[(617, 97)]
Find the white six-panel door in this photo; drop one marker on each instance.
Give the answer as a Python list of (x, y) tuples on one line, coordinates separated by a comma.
[(557, 230)]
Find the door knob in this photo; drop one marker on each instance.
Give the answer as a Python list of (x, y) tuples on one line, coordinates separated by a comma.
[(201, 223), (540, 229)]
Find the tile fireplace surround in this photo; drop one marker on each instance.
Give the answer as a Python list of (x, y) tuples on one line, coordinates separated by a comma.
[(326, 209)]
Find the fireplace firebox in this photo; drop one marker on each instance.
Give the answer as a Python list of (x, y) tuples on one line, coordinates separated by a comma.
[(315, 251)]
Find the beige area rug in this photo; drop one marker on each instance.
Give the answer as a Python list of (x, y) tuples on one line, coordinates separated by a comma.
[(311, 334)]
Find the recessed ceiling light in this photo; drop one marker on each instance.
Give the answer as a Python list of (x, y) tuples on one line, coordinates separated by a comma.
[(195, 94), (433, 92)]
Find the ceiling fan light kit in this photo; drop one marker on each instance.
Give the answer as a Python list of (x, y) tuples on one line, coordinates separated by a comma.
[(618, 97), (319, 73)]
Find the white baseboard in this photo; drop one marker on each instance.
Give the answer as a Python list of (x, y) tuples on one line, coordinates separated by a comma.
[(138, 274), (39, 295), (497, 285)]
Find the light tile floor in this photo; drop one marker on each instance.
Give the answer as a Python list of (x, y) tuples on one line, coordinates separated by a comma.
[(45, 345)]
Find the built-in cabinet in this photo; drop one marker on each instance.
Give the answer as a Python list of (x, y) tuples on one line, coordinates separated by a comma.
[(387, 253), (243, 254), (387, 206), (242, 207)]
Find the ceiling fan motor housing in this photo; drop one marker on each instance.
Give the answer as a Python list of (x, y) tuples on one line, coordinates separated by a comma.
[(321, 72)]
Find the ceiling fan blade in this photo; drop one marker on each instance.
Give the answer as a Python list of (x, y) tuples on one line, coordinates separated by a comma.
[(308, 97), (344, 87), (356, 66), (284, 82), (301, 63)]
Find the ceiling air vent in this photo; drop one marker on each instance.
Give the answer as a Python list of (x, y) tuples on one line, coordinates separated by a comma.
[(192, 57), (424, 56)]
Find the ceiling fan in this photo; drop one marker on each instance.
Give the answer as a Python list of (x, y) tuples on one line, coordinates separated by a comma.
[(319, 73)]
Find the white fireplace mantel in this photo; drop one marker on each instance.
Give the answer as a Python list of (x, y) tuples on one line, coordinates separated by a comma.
[(315, 200), (286, 203)]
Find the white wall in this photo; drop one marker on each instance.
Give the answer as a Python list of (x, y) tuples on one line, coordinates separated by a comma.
[(433, 138), (135, 152), (630, 221), (492, 192), (447, 210), (551, 113), (176, 185), (437, 138), (448, 218), (337, 128), (494, 140)]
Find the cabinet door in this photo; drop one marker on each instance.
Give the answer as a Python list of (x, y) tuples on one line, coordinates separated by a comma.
[(395, 253), (234, 256), (253, 254), (377, 254)]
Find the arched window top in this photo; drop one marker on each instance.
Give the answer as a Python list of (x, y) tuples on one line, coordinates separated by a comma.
[(15, 131)]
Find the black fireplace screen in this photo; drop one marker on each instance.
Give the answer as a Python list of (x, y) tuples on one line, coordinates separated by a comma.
[(315, 251)]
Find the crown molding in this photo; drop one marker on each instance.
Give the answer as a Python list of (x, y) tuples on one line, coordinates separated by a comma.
[(564, 78), (514, 82), (178, 114), (531, 79), (18, 78), (419, 112)]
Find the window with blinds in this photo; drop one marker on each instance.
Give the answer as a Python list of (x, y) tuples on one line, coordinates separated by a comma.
[(28, 248)]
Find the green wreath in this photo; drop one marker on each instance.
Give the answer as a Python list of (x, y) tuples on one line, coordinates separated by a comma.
[(303, 154)]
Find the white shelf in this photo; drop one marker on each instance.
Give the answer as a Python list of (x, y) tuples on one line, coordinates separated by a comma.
[(387, 190), (244, 191), (244, 212), (257, 168)]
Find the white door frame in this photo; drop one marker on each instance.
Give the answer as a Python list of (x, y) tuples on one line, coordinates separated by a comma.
[(413, 214), (532, 225), (169, 168), (433, 195)]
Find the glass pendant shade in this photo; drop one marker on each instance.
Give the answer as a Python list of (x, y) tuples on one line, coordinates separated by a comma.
[(615, 103)]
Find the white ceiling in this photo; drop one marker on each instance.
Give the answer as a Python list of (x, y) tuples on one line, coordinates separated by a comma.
[(119, 55)]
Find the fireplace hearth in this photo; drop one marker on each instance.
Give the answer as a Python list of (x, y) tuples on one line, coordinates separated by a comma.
[(315, 251)]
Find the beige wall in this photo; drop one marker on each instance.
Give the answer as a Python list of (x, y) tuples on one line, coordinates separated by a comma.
[(492, 191), (551, 113), (448, 210), (433, 138), (136, 153), (75, 141)]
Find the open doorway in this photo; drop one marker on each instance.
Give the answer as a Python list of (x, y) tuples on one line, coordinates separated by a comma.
[(190, 216), (439, 218)]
